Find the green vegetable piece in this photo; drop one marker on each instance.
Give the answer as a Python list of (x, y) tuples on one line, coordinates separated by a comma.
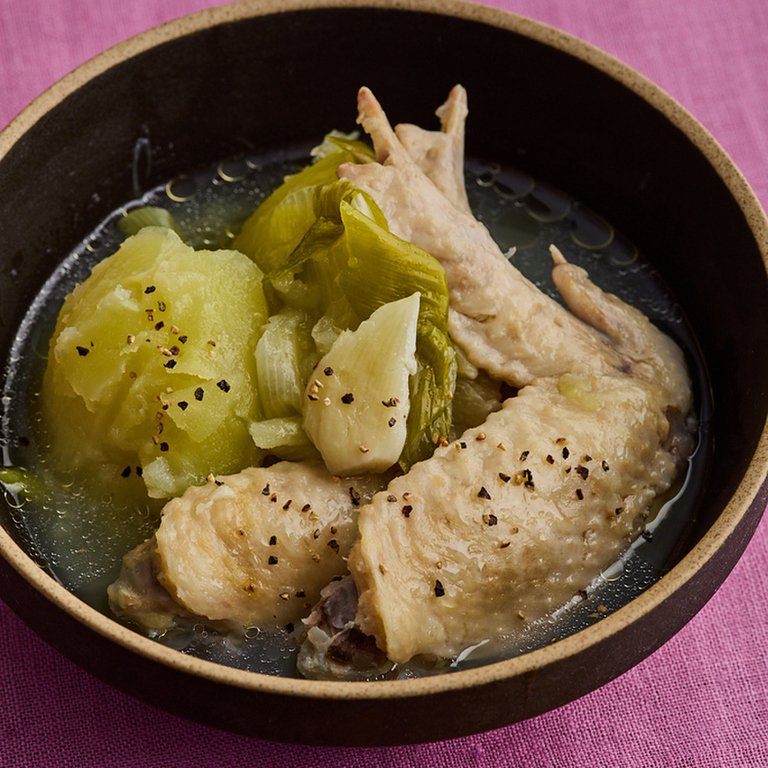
[(307, 279), (285, 356), (329, 197), (337, 140), (357, 402), (21, 483), (474, 400), (283, 437), (277, 226), (384, 268), (152, 365), (327, 252)]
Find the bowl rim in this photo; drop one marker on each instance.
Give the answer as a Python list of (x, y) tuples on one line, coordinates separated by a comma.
[(746, 495)]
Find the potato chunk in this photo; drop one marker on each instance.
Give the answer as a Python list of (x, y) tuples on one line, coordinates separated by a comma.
[(151, 365)]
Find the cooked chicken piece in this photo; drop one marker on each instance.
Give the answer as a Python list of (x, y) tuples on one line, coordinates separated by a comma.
[(502, 322), (336, 648), (652, 355), (251, 549), (139, 597), (509, 522), (440, 154)]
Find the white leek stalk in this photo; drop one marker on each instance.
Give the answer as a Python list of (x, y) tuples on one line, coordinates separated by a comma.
[(356, 403)]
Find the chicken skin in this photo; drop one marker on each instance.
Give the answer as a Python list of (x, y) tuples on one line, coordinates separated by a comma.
[(250, 549), (518, 515)]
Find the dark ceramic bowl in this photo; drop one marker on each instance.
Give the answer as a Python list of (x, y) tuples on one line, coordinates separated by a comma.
[(252, 75)]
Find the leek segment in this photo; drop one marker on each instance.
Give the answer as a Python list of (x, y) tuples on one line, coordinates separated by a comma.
[(285, 356), (329, 259), (358, 402), (277, 226), (146, 216), (283, 437), (346, 267)]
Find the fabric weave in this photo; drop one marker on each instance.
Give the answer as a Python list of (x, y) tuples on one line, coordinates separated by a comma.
[(701, 701)]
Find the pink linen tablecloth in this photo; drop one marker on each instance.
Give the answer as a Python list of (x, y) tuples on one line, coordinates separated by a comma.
[(701, 700)]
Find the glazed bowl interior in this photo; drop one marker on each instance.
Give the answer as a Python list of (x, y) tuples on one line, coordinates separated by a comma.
[(252, 77)]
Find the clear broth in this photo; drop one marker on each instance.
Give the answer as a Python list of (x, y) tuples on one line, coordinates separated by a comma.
[(80, 540)]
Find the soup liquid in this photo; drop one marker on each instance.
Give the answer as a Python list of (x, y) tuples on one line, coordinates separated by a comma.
[(81, 540)]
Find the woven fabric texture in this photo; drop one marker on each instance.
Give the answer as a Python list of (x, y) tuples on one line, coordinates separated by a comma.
[(700, 701)]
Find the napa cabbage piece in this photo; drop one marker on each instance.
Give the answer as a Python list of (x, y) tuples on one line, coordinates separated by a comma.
[(343, 268), (277, 226), (151, 366)]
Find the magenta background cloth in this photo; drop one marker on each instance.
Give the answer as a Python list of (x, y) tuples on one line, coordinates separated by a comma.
[(701, 700)]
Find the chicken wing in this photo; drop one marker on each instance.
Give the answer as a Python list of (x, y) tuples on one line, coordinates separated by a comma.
[(502, 322), (251, 549), (509, 522)]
